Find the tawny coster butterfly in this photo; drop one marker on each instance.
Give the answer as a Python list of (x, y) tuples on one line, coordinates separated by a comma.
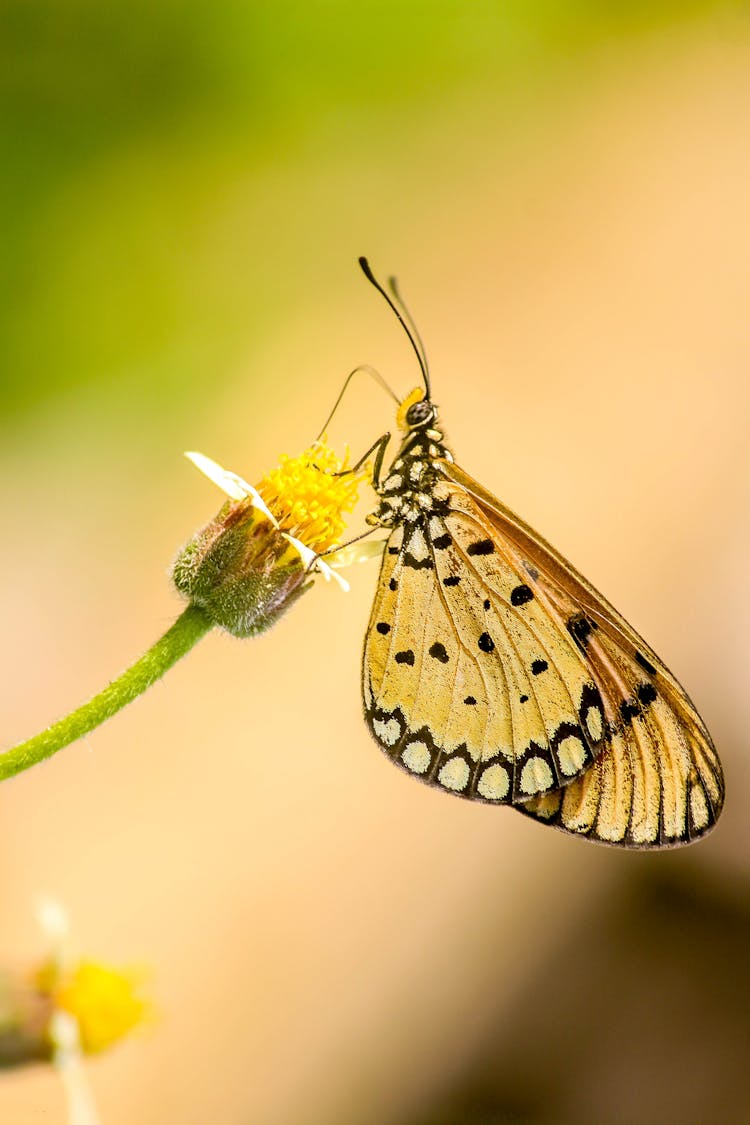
[(493, 670)]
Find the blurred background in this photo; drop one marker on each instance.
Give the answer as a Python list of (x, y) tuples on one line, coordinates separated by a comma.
[(562, 189)]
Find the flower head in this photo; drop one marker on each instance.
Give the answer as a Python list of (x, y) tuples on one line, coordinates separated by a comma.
[(258, 555), (103, 1000), (65, 1008)]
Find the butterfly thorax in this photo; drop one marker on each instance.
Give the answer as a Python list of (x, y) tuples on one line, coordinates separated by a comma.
[(414, 488)]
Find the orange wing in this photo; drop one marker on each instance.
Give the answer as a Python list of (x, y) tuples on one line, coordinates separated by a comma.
[(658, 782)]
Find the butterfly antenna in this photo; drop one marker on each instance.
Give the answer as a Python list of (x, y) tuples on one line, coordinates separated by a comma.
[(393, 286), (413, 335), (370, 371)]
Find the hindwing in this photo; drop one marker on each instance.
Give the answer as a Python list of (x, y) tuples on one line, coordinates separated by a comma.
[(659, 780)]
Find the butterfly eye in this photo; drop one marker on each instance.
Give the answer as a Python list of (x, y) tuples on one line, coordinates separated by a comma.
[(420, 413)]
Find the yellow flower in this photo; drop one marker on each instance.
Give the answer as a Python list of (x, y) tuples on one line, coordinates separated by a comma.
[(307, 498), (62, 1010), (247, 566), (103, 1001)]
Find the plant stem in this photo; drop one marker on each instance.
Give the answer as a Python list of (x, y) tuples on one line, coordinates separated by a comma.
[(186, 631)]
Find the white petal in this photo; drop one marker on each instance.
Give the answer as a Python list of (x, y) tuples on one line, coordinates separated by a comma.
[(310, 559), (234, 485), (328, 574), (63, 1029), (68, 1060), (218, 475)]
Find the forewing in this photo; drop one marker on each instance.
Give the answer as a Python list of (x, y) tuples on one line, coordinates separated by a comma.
[(659, 781), (471, 681)]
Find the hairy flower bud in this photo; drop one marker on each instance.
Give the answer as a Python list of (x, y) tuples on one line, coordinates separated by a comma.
[(241, 570)]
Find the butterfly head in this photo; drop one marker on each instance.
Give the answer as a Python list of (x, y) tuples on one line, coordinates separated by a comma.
[(416, 412)]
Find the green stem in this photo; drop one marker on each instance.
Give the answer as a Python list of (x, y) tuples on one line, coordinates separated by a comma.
[(186, 631)]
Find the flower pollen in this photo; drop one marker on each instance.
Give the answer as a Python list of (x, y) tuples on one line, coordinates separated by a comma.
[(308, 499)]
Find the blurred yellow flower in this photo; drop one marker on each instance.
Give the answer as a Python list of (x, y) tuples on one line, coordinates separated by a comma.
[(103, 1000), (63, 1009)]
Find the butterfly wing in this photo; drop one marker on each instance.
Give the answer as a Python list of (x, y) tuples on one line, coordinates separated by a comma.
[(471, 679), (659, 781)]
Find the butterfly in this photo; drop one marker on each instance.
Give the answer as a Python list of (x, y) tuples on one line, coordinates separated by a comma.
[(492, 669)]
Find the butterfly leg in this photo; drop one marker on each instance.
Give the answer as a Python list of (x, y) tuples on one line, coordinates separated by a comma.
[(378, 448)]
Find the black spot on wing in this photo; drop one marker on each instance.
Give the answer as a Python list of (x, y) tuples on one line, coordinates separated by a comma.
[(383, 627), (418, 564), (470, 701), (486, 642), (538, 666), (646, 693), (405, 657), (580, 629), (521, 594), (439, 652), (481, 547), (393, 550), (523, 699), (451, 580), (645, 664), (440, 507), (486, 603), (393, 584), (442, 541), (629, 710)]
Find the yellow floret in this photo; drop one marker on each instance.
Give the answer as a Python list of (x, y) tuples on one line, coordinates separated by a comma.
[(308, 499)]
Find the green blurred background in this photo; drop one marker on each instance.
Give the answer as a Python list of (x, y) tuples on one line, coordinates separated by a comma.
[(562, 189)]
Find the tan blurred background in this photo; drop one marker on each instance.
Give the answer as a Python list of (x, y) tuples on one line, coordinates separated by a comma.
[(563, 193)]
